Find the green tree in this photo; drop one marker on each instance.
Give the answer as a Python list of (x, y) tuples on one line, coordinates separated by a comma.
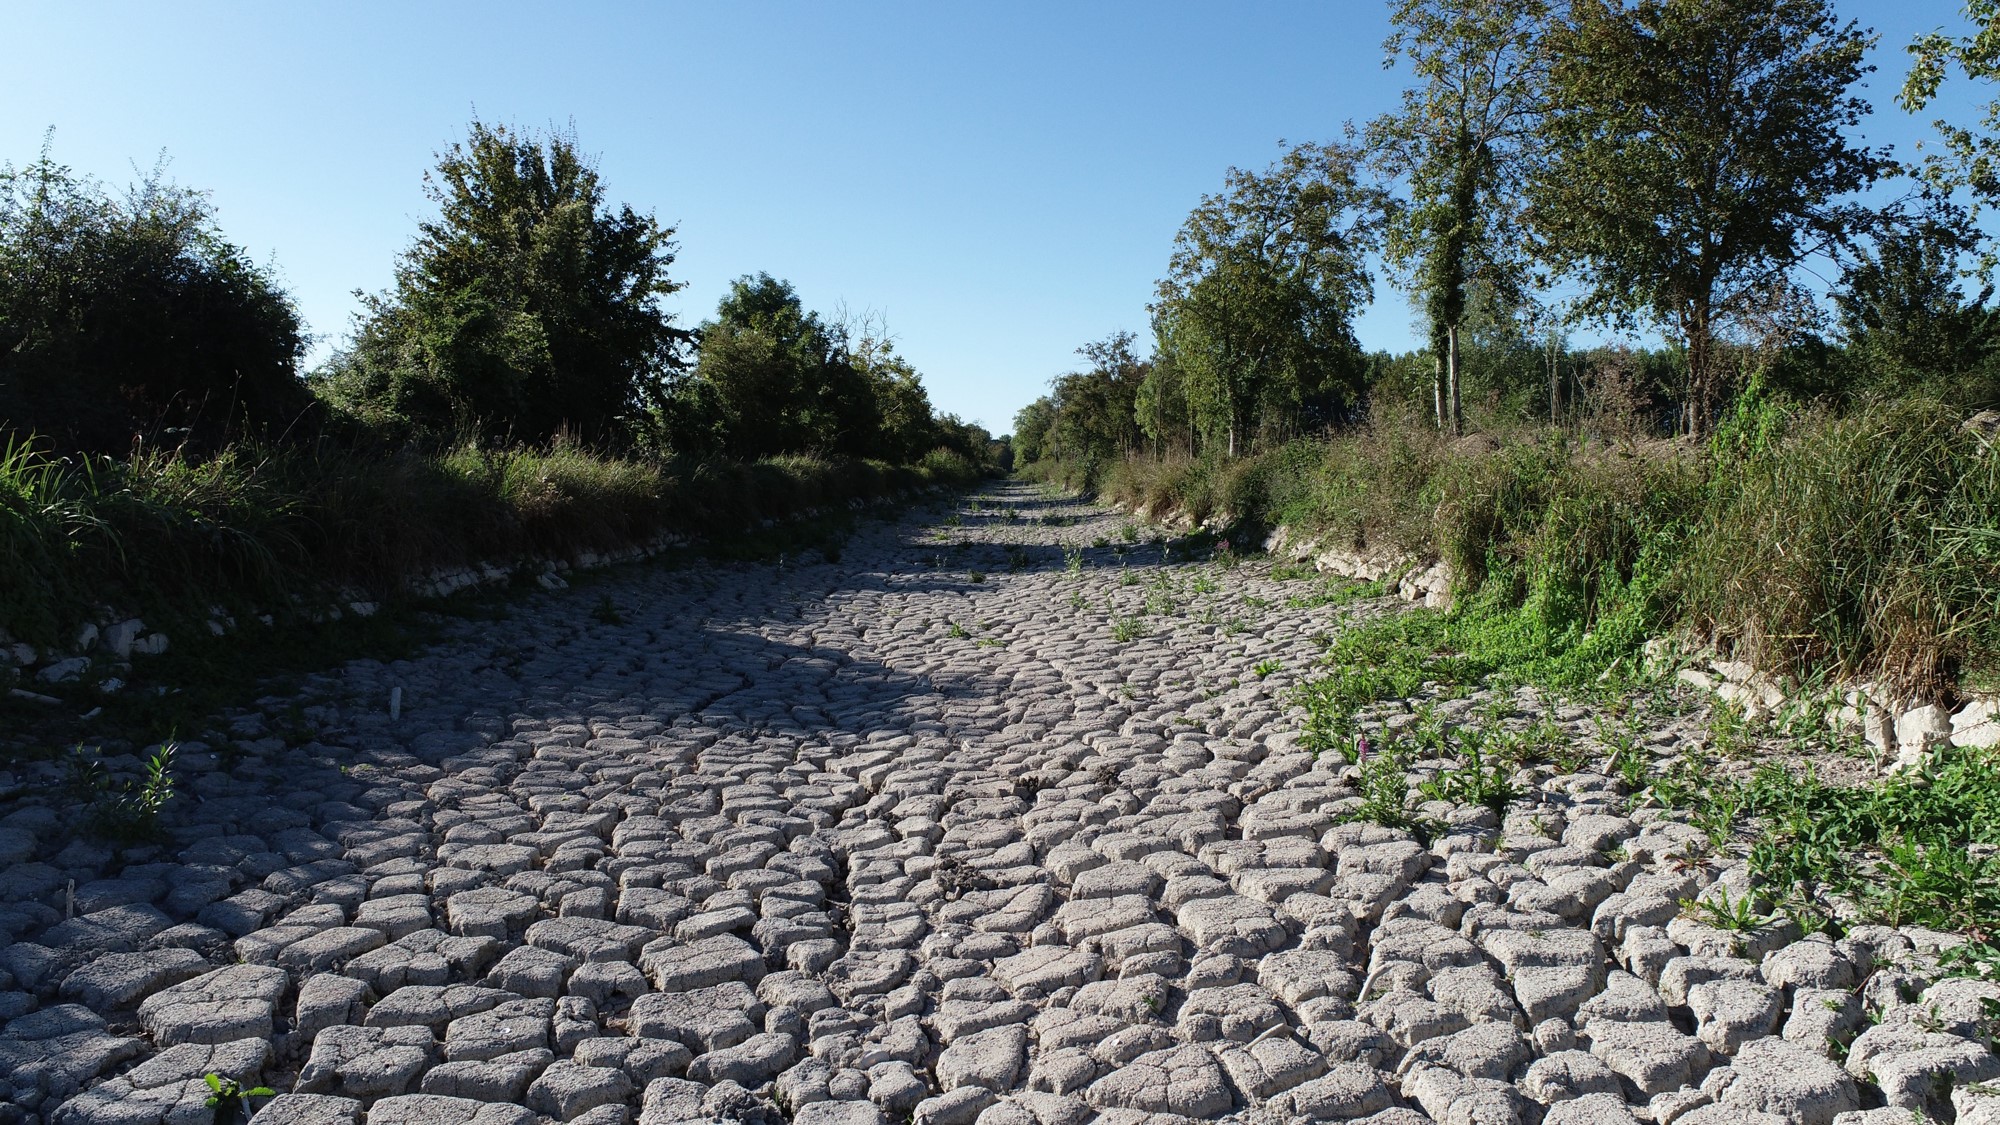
[(1031, 430), (1094, 421), (1461, 142), (905, 426), (1256, 311), (1905, 317), (525, 308), (1161, 406), (1696, 154), (773, 378), (135, 319)]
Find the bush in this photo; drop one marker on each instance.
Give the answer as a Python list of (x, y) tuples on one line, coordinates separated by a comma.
[(1868, 542), (133, 320), (1857, 544), (252, 527)]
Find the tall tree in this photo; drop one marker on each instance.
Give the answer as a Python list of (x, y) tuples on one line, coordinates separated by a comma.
[(1696, 154), (1461, 143), (1161, 406), (772, 377), (1257, 306), (1095, 420), (1031, 430), (526, 307)]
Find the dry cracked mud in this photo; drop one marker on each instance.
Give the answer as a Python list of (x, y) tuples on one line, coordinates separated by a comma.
[(947, 831)]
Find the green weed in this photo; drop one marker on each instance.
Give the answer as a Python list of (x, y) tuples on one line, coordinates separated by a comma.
[(229, 1100), (1737, 915), (1385, 793), (1475, 781)]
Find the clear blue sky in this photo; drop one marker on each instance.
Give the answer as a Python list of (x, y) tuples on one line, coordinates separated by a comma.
[(1002, 181)]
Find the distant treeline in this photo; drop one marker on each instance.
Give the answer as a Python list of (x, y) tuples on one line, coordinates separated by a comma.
[(519, 394), (527, 309), (1683, 166)]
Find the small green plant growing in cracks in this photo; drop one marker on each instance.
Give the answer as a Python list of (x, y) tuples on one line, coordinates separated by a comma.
[(1385, 796), (133, 816), (229, 1100), (1125, 629), (1268, 667), (1477, 781), (1737, 915), (605, 612)]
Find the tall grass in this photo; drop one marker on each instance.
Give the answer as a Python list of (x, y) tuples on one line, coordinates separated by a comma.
[(1860, 544), (1868, 542), (167, 534)]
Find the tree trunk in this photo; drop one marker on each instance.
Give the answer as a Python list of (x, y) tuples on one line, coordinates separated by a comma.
[(1555, 391), (1701, 381), (1437, 392), (1451, 368)]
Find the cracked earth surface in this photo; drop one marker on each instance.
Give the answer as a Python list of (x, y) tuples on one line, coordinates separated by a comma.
[(945, 831)]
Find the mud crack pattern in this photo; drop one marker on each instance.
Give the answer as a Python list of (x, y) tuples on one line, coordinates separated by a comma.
[(966, 827)]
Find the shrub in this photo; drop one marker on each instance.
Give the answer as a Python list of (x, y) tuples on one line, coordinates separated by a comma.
[(167, 534), (1858, 544), (133, 319)]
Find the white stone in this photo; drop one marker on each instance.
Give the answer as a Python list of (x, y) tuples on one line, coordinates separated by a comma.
[(1977, 724)]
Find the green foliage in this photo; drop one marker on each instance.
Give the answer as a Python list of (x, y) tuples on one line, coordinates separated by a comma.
[(1385, 796), (1255, 314), (1475, 781), (171, 536), (230, 1100), (1697, 152), (134, 321), (1461, 142), (1087, 422), (1862, 544), (1856, 544), (774, 379), (1908, 325), (525, 308), (128, 813), (1971, 158), (1718, 909), (1911, 850)]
